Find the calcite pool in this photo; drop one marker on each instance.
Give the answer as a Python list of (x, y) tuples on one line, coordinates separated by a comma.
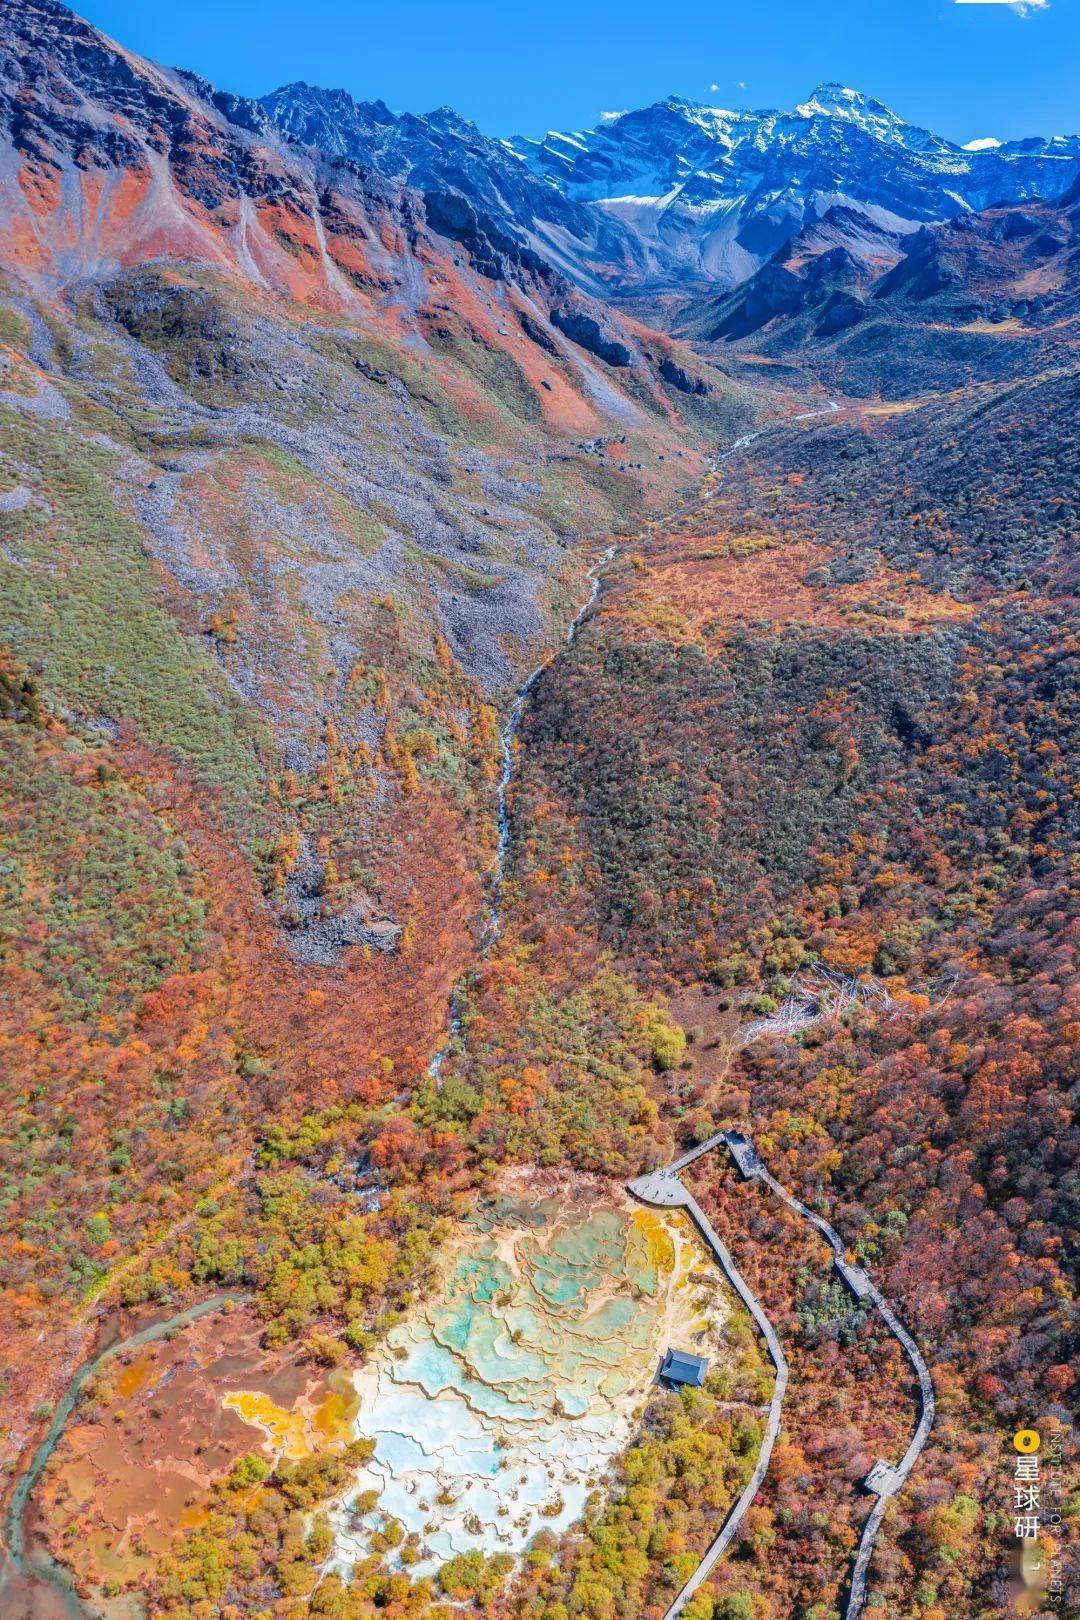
[(498, 1406)]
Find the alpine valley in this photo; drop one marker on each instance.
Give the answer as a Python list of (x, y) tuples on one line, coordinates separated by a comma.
[(520, 658)]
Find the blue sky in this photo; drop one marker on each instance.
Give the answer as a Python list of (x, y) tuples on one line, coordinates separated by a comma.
[(967, 70)]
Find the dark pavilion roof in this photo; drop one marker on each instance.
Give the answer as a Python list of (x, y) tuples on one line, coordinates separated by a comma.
[(680, 1367)]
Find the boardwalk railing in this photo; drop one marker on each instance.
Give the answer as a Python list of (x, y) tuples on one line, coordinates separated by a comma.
[(884, 1480), (665, 1189)]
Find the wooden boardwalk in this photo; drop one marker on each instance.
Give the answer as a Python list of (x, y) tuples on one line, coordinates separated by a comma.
[(665, 1190), (885, 1481)]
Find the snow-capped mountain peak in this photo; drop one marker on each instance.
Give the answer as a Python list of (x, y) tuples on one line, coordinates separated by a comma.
[(680, 192), (838, 101)]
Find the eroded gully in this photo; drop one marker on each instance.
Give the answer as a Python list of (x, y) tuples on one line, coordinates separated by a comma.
[(493, 882)]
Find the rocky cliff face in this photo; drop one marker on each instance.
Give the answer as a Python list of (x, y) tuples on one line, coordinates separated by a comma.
[(681, 195), (111, 161)]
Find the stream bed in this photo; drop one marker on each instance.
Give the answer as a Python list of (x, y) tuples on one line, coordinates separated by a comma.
[(32, 1584)]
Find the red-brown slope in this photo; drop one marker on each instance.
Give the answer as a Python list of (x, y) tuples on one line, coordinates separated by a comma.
[(108, 161)]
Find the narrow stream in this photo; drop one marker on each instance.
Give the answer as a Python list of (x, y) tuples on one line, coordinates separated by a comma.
[(748, 438), (496, 872), (29, 1577), (494, 881)]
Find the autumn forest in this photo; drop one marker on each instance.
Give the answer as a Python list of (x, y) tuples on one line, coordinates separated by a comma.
[(467, 737)]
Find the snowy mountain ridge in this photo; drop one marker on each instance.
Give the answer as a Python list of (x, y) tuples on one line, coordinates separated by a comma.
[(678, 194)]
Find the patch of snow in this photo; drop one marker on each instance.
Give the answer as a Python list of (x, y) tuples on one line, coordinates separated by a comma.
[(986, 144), (839, 101), (714, 121), (883, 218), (567, 140), (632, 200)]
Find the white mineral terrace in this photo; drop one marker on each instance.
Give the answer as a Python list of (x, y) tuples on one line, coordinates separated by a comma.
[(497, 1408)]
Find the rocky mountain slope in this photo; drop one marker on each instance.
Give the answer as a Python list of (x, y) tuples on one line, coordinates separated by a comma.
[(113, 161), (983, 296), (682, 195), (236, 274), (444, 152)]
